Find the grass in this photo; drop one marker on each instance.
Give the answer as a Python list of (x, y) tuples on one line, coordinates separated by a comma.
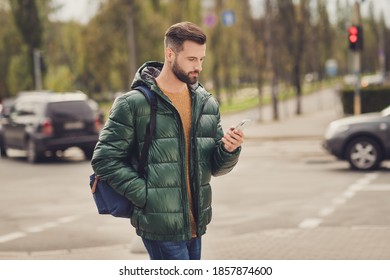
[(239, 104), (247, 98)]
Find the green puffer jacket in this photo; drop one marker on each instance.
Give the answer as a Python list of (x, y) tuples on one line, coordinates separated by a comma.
[(161, 199)]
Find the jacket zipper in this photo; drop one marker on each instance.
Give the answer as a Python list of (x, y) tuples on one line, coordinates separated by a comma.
[(186, 203), (195, 167)]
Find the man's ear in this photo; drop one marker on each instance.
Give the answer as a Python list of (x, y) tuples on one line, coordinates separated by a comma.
[(169, 55)]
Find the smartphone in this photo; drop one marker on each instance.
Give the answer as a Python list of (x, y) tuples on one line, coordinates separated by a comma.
[(242, 124)]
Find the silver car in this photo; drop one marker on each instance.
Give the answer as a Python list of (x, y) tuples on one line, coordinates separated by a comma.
[(364, 140)]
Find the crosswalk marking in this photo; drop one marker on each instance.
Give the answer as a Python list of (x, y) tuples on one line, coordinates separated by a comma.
[(362, 184), (35, 229)]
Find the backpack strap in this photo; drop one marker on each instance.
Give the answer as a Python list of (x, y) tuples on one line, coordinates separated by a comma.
[(152, 100)]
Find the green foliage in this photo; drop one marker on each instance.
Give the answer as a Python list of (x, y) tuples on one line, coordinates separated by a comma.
[(98, 57), (19, 77), (10, 45), (28, 22), (60, 79)]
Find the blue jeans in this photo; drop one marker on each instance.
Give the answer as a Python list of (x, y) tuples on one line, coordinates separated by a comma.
[(174, 250)]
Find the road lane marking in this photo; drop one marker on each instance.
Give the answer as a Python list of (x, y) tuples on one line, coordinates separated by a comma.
[(339, 201), (68, 219), (35, 229), (360, 185), (12, 236), (310, 223), (378, 188), (326, 211), (356, 187), (349, 194)]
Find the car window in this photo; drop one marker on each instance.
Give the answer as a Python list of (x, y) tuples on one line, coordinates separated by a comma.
[(69, 108), (27, 108)]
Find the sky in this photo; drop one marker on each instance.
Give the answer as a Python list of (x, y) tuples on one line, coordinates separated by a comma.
[(79, 10), (83, 10), (379, 6)]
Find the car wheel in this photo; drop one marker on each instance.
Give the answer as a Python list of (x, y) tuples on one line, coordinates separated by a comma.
[(33, 156), (364, 153)]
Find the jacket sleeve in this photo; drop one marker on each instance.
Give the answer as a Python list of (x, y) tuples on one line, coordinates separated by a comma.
[(223, 161), (111, 158)]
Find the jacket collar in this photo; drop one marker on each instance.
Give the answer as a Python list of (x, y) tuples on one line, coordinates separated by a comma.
[(149, 71)]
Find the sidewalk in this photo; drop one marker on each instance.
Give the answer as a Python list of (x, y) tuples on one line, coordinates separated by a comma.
[(309, 125), (319, 109), (278, 244)]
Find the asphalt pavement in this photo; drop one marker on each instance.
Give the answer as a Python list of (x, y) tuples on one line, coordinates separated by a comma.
[(319, 110)]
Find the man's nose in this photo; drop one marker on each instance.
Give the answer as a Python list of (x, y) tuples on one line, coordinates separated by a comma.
[(198, 67)]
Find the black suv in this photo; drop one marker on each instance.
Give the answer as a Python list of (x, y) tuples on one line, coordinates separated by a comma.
[(48, 122)]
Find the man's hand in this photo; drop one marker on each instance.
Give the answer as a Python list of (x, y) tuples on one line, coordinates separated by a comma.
[(232, 139)]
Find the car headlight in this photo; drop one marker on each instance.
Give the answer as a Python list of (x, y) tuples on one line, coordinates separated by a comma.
[(334, 130)]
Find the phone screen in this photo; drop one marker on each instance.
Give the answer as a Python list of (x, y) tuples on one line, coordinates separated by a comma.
[(242, 124)]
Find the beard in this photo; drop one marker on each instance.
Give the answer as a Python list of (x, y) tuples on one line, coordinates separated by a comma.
[(182, 75)]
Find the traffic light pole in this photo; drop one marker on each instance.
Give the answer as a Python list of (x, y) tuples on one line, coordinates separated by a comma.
[(357, 103), (356, 66)]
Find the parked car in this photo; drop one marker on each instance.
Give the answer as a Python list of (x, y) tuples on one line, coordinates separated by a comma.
[(364, 140), (48, 122), (5, 108)]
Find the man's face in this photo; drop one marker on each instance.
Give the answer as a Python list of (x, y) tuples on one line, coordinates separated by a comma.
[(187, 64)]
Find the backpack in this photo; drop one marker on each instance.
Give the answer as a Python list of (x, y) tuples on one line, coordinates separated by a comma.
[(107, 199)]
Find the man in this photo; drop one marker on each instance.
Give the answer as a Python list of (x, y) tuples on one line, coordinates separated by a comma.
[(173, 200)]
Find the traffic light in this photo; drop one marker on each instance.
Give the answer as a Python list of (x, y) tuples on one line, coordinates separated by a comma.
[(355, 38)]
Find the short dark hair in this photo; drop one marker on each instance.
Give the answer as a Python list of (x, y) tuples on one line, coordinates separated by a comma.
[(180, 32)]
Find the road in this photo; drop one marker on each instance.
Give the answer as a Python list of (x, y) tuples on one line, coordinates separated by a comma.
[(291, 188), (286, 199), (277, 187)]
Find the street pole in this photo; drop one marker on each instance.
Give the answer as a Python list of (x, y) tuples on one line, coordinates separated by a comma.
[(37, 69), (357, 108), (270, 41), (357, 96), (131, 39), (382, 46)]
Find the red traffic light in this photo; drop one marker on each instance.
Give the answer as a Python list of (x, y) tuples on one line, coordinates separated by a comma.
[(353, 34), (353, 30), (355, 37)]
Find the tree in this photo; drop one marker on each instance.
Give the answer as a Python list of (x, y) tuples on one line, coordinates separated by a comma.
[(231, 48), (184, 10), (10, 45), (260, 60), (65, 56), (106, 49), (374, 60), (271, 43), (28, 22), (101, 56), (326, 38), (295, 20)]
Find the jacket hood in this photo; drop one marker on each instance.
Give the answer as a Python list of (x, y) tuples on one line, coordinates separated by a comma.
[(147, 74)]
